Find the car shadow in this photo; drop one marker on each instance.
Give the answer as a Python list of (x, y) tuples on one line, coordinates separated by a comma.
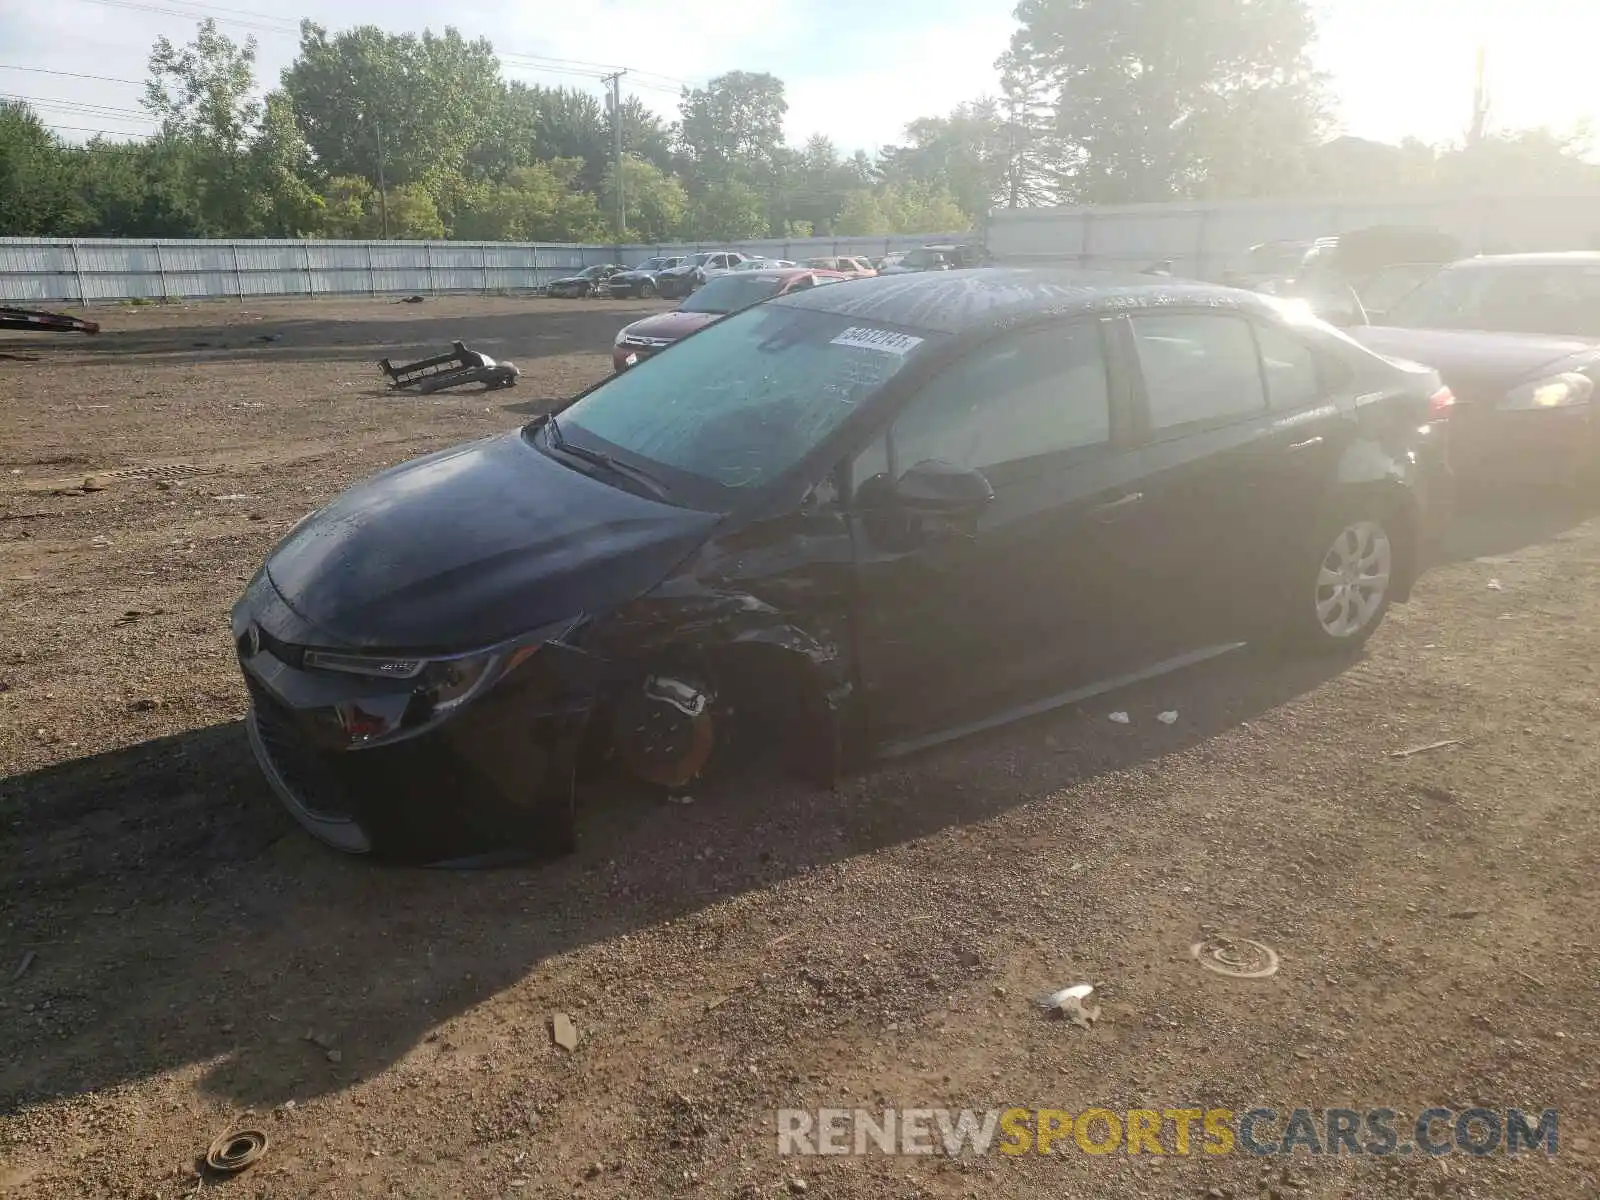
[(167, 913), (1491, 524), (534, 328)]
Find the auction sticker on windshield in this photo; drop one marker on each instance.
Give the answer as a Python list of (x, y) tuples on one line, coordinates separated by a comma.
[(884, 340)]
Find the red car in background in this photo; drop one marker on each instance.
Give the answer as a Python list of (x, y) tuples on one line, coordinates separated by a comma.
[(721, 295)]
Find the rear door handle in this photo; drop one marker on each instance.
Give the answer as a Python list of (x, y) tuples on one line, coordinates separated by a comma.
[(1110, 510), (1307, 444)]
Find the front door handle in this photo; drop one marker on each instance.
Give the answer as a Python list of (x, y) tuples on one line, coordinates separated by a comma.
[(1110, 510), (1307, 444)]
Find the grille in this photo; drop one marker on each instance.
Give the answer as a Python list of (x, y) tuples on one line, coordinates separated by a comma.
[(289, 761)]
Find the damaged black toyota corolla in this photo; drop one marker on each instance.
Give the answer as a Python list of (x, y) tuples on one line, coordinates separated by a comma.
[(849, 522)]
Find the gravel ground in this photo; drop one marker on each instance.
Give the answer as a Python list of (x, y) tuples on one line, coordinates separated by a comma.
[(176, 959)]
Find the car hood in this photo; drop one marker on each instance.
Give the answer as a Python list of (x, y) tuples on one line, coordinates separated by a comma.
[(473, 545), (673, 324), (570, 279), (629, 276), (685, 269), (1476, 361)]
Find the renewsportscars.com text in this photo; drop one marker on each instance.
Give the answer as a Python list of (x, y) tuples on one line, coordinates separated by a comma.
[(1167, 1131)]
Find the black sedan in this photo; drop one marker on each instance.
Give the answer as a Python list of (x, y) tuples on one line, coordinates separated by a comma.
[(1517, 339), (846, 523), (591, 281), (641, 280)]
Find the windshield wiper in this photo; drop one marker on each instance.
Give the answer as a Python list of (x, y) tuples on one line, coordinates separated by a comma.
[(601, 459)]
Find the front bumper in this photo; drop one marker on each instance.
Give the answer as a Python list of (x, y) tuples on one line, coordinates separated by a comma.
[(631, 353), (486, 778)]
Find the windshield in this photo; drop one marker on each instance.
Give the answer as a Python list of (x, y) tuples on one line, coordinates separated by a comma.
[(730, 293), (923, 258), (1521, 298), (697, 260), (743, 400), (591, 272), (651, 264)]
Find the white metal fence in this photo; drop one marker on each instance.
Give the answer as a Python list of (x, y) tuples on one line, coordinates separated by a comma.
[(85, 271), (1204, 240)]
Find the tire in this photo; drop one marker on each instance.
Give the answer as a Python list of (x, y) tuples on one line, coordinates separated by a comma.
[(647, 289), (1343, 583)]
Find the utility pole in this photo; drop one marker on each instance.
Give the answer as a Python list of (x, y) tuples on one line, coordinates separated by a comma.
[(1480, 102), (616, 136), (383, 187)]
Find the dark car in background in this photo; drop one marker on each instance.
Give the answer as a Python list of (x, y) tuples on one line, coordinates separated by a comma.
[(845, 523), (721, 295), (590, 281), (945, 257), (640, 281), (691, 272), (1517, 339)]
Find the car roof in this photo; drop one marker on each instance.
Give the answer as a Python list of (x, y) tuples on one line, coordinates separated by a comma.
[(958, 301), (1554, 258)]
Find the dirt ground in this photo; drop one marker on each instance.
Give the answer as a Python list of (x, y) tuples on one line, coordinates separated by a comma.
[(177, 959)]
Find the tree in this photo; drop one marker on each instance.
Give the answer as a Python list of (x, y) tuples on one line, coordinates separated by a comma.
[(1515, 158), (202, 94), (1152, 99), (964, 153), (204, 91), (644, 135), (571, 124), (728, 211), (36, 195), (541, 203), (1027, 135), (406, 107), (733, 127), (862, 216), (283, 203), (139, 189), (656, 201)]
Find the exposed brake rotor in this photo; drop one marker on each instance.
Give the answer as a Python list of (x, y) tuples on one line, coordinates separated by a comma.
[(665, 731)]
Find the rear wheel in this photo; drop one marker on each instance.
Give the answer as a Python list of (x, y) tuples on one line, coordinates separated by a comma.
[(1343, 587)]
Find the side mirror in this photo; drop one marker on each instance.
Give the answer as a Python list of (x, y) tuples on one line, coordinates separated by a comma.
[(933, 486)]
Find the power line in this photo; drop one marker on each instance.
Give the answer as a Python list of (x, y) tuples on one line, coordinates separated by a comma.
[(127, 133), (81, 107), (71, 74), (287, 27), (256, 23)]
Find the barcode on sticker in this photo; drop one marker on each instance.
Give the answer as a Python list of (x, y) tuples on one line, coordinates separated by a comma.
[(885, 340)]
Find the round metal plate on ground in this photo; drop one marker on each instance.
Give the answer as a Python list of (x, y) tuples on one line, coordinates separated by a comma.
[(1238, 958), (237, 1150)]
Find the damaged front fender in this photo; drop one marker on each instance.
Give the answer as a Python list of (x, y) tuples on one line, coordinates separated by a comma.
[(756, 624)]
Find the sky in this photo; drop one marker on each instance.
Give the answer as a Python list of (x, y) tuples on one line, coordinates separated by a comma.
[(855, 70)]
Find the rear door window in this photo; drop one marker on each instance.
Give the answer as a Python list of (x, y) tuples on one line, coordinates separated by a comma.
[(1290, 366), (1200, 371)]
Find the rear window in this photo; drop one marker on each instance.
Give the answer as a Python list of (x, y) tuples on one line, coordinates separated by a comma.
[(730, 293), (1514, 298)]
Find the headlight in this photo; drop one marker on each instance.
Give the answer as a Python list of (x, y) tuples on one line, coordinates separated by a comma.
[(1558, 391), (449, 681)]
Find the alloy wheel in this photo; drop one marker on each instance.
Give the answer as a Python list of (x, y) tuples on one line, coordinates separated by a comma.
[(1353, 580)]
